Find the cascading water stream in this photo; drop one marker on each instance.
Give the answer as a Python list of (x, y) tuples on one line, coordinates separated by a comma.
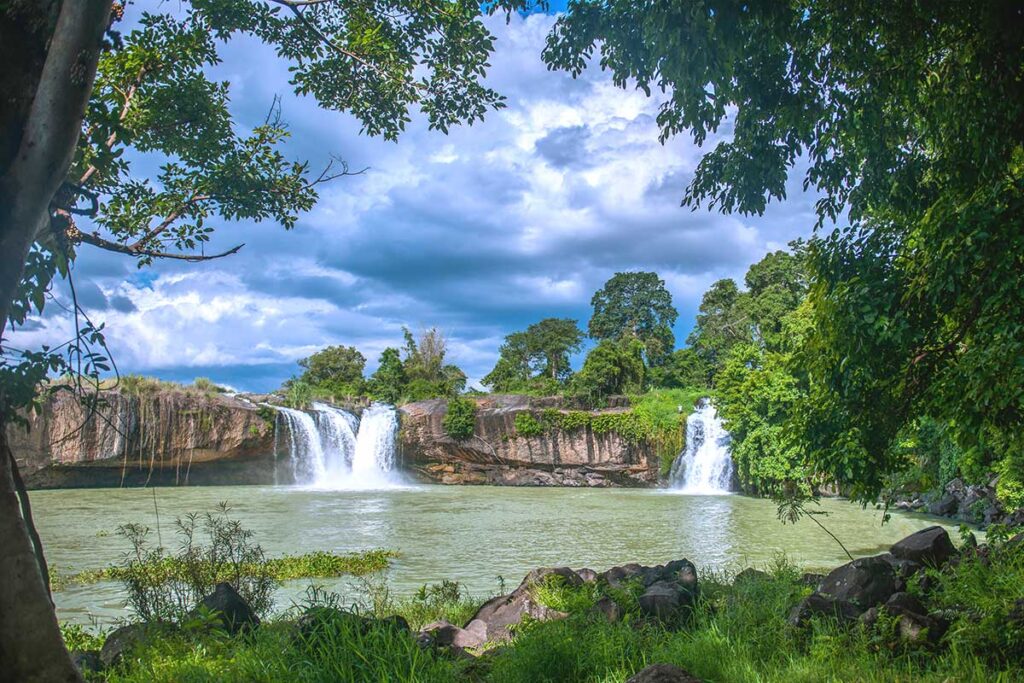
[(305, 450), (705, 466), (333, 449)]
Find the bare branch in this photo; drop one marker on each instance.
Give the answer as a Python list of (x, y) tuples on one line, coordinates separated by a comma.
[(95, 240)]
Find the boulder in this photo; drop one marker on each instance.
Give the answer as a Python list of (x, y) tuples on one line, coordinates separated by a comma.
[(929, 546), (865, 582), (664, 600), (87, 661), (607, 609), (616, 577), (396, 622), (811, 579), (317, 618), (537, 576), (235, 613), (663, 673), (120, 641), (904, 603), (446, 635), (587, 575), (918, 629), (818, 605), (944, 506), (500, 614)]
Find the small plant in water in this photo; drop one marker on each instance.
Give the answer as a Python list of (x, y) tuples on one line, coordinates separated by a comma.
[(166, 587)]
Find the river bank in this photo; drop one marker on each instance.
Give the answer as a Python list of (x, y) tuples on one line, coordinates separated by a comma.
[(924, 610)]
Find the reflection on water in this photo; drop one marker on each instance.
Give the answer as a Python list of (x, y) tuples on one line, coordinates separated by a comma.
[(470, 534)]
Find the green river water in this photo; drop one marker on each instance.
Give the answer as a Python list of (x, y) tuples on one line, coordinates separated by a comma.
[(470, 534)]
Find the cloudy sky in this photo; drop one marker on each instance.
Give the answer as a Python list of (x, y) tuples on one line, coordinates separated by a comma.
[(479, 232)]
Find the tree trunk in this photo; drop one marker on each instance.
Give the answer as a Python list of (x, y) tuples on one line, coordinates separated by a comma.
[(50, 50)]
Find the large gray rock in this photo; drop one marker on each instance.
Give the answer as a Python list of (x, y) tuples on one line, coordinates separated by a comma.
[(663, 673), (664, 600), (235, 613), (865, 582), (929, 546), (446, 635), (818, 605), (500, 615), (121, 641)]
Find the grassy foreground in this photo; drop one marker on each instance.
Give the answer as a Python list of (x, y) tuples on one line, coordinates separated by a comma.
[(738, 632)]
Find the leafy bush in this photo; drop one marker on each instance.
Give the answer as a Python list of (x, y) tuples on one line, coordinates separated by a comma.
[(164, 587), (460, 420), (527, 425)]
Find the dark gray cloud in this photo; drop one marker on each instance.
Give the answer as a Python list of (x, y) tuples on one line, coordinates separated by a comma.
[(480, 232)]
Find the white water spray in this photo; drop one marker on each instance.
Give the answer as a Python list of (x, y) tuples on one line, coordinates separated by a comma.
[(305, 449), (705, 466), (333, 449)]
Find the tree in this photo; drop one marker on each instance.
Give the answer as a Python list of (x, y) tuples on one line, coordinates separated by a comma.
[(424, 367), (537, 359), (336, 369), (611, 368), (722, 323), (388, 382), (684, 368), (60, 190), (909, 121), (635, 306)]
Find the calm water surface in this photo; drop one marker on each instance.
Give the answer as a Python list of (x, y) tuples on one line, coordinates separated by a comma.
[(467, 533)]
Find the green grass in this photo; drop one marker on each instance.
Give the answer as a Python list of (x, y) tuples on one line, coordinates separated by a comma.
[(317, 564), (737, 632)]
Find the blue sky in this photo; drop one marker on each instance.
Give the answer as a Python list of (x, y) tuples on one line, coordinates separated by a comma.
[(480, 232)]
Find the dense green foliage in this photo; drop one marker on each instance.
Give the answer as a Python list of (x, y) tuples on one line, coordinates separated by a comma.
[(635, 306), (460, 418), (426, 373), (611, 367), (337, 370), (388, 380), (908, 120), (537, 359)]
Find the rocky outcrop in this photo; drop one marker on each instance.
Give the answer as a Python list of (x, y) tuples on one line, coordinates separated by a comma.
[(167, 436), (496, 454)]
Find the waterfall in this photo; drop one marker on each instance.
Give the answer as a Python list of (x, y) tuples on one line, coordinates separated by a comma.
[(705, 466), (333, 449), (305, 449)]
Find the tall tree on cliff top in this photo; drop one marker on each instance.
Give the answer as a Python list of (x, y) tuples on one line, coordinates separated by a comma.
[(540, 352), (67, 181), (908, 120), (635, 306)]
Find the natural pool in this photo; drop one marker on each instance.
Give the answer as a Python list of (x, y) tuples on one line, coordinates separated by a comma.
[(469, 534)]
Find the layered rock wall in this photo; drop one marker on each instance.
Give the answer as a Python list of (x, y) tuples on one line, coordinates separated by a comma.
[(497, 455), (162, 437)]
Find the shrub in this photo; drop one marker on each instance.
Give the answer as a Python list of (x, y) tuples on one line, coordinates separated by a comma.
[(164, 587), (460, 420), (527, 425)]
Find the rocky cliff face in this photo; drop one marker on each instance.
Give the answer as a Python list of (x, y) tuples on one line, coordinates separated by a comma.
[(162, 437), (497, 455)]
